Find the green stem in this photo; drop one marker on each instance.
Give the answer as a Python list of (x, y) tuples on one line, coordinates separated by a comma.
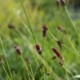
[(27, 68), (68, 71), (68, 15), (6, 58), (28, 20), (6, 72), (27, 41)]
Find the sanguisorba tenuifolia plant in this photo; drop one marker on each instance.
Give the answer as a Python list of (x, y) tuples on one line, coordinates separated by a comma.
[(62, 3), (43, 66), (19, 52)]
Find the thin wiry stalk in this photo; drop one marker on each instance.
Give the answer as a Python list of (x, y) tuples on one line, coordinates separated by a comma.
[(70, 19), (22, 57), (29, 73), (38, 56), (25, 67), (52, 36), (76, 51), (19, 19), (6, 58), (24, 38), (32, 76), (6, 72), (43, 44), (73, 24), (73, 46), (29, 29), (68, 71), (68, 49), (12, 16), (43, 61), (65, 45), (28, 20)]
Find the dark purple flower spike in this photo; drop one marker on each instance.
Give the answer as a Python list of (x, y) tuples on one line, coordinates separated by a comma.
[(61, 2), (44, 30), (11, 26), (18, 50), (59, 55), (38, 48)]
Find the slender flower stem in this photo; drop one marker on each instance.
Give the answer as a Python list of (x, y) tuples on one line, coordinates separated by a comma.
[(27, 68), (68, 15), (68, 71), (27, 41), (28, 20), (31, 71), (6, 72), (38, 56), (65, 45), (73, 45), (68, 37), (6, 58)]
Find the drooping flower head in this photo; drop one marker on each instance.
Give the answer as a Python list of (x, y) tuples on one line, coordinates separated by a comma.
[(38, 48), (44, 30), (18, 50)]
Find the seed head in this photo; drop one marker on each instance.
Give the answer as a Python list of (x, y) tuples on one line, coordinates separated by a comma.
[(11, 26), (61, 2), (59, 43), (18, 50), (38, 48), (61, 29), (44, 30), (58, 54)]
